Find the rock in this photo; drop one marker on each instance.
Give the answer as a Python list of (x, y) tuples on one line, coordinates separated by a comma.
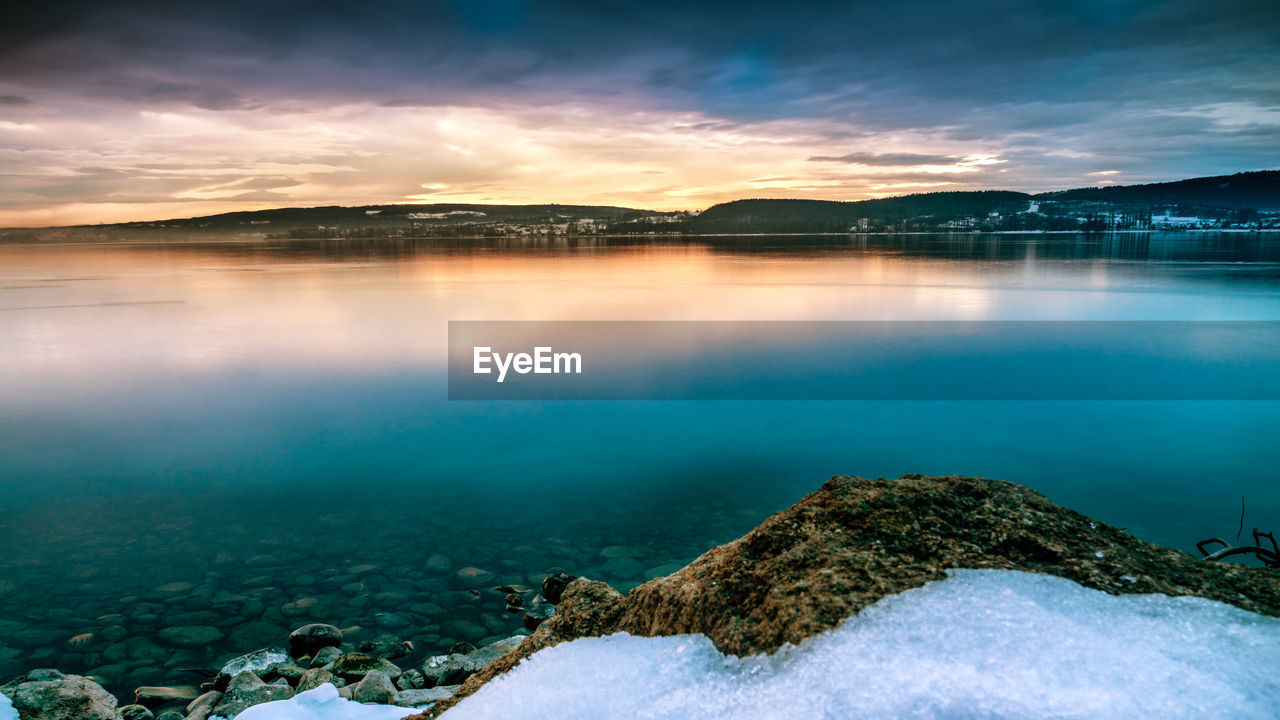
[(424, 696), (154, 696), (290, 673), (187, 658), (81, 640), (439, 564), (375, 688), (619, 551), (455, 667), (855, 541), (34, 638), (325, 655), (255, 633), (355, 665), (460, 628), (411, 679), (554, 585), (389, 649), (308, 639), (472, 577), (11, 668), (195, 617), (202, 707), (264, 663), (135, 712), (175, 587), (191, 636), (315, 677), (246, 690), (537, 615), (301, 606), (109, 674), (623, 568), (171, 715), (50, 695)]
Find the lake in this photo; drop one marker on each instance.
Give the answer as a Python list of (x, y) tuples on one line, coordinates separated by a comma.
[(248, 436)]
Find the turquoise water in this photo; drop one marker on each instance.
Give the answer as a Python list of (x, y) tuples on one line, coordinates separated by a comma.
[(251, 423)]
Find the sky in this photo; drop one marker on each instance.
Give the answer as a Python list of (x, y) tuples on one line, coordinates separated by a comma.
[(141, 110)]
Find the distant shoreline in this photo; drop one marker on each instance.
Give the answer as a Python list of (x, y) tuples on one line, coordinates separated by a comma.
[(222, 237)]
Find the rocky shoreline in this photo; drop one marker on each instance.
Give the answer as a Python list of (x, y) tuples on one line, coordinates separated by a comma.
[(800, 573)]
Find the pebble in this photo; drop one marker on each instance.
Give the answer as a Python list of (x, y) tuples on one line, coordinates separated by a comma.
[(191, 635), (154, 695), (472, 577)]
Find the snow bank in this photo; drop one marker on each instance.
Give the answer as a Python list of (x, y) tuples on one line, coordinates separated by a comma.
[(6, 709), (322, 703), (981, 644)]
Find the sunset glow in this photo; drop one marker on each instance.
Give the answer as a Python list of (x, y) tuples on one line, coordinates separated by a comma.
[(166, 111)]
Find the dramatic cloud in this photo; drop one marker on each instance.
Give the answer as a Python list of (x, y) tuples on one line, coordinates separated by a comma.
[(146, 109)]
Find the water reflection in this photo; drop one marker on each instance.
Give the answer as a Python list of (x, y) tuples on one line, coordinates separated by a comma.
[(169, 412)]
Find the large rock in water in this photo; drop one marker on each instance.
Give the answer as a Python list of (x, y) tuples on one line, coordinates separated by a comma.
[(267, 664), (855, 541), (246, 690), (455, 667), (50, 695), (307, 639)]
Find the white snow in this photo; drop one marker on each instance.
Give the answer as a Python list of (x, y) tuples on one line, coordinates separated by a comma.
[(6, 709), (981, 644), (322, 703)]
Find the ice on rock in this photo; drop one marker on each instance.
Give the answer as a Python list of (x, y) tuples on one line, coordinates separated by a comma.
[(322, 703), (6, 709), (980, 644)]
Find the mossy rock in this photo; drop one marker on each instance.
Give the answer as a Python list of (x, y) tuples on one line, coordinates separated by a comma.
[(355, 665)]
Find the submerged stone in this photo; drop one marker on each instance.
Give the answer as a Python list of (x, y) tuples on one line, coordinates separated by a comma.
[(50, 695), (355, 665), (264, 663), (308, 639), (246, 690)]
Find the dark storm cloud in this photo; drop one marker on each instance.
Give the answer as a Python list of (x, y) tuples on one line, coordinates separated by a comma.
[(735, 60), (1050, 91)]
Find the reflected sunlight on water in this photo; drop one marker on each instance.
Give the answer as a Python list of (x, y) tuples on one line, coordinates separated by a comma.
[(181, 412)]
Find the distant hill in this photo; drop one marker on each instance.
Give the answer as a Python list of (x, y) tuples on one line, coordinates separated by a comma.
[(365, 215), (1258, 190), (1241, 201), (835, 216), (1091, 208)]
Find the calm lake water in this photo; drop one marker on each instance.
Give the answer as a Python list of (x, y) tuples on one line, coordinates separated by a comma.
[(249, 436)]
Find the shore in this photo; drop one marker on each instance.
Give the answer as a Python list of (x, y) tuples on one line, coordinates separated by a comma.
[(798, 575)]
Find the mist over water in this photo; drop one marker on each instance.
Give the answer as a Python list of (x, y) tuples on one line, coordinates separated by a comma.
[(259, 418)]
